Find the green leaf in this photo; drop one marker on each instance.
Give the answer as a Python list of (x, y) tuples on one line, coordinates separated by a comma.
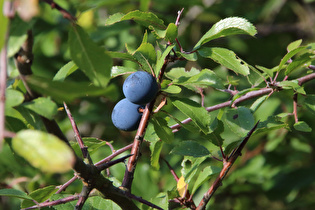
[(302, 126), (40, 195), (258, 103), (269, 72), (143, 18), (14, 193), (146, 56), (226, 58), (289, 55), (240, 120), (13, 98), (272, 123), (171, 32), (89, 57), (303, 60), (43, 151), (93, 144), (120, 55), (293, 85), (18, 34), (160, 60), (310, 103), (156, 148), (114, 18), (214, 137), (172, 89), (190, 148), (227, 27), (65, 71), (176, 73), (66, 91), (121, 70), (294, 45), (188, 56), (190, 166), (195, 111), (161, 200), (162, 129), (42, 106), (204, 176), (206, 78)]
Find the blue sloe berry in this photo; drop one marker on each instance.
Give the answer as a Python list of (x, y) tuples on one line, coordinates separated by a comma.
[(126, 115), (140, 87)]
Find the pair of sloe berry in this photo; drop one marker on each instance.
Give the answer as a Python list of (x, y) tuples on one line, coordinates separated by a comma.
[(139, 88)]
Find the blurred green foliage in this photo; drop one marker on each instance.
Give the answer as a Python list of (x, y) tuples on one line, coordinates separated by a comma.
[(277, 168)]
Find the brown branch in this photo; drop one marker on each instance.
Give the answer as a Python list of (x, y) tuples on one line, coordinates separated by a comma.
[(135, 150), (54, 203), (110, 157), (84, 149), (8, 13), (295, 104), (227, 164), (64, 12)]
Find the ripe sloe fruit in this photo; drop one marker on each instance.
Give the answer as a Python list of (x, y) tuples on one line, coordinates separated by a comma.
[(140, 87), (126, 115)]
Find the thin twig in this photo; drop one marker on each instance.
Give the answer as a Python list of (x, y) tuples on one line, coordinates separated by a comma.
[(64, 12), (112, 156), (141, 200), (111, 163), (226, 167), (65, 185), (54, 203), (84, 149)]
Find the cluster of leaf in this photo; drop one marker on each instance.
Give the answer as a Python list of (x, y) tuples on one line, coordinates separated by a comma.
[(208, 131)]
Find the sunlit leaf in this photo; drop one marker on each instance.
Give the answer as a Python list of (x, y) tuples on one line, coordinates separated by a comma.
[(160, 60), (195, 111), (65, 71), (42, 106), (143, 18), (121, 70), (294, 45), (43, 151), (227, 27), (226, 58), (205, 78)]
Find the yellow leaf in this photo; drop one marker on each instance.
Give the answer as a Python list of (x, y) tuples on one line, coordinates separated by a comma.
[(182, 187)]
